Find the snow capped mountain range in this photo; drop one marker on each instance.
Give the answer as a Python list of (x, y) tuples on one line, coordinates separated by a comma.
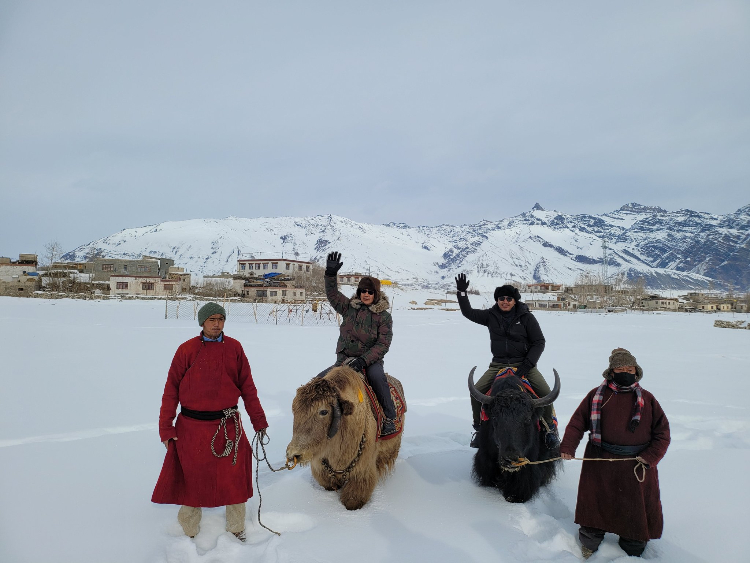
[(669, 249)]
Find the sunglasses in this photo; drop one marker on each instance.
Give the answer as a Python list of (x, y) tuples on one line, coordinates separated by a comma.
[(367, 291), (505, 298)]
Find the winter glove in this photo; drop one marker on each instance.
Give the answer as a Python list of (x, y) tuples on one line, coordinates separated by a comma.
[(358, 364), (333, 263), (524, 369), (462, 284)]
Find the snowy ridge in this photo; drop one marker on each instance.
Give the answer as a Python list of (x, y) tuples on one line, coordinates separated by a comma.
[(680, 249)]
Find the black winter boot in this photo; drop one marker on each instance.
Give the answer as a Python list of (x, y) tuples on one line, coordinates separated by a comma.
[(388, 427)]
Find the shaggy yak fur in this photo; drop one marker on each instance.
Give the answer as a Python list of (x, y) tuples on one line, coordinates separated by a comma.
[(513, 432), (315, 419)]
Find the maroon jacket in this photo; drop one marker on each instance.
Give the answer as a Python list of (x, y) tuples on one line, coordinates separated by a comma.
[(609, 496), (206, 376)]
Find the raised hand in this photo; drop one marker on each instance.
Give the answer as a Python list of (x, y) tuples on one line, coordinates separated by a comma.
[(462, 284), (333, 263)]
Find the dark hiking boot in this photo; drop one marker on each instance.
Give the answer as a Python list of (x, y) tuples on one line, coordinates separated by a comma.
[(240, 536), (474, 440), (552, 439), (388, 427)]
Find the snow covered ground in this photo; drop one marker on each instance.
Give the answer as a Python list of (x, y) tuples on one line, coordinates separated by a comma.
[(80, 388)]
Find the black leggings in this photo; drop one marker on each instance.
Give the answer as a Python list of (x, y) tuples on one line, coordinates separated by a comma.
[(376, 378)]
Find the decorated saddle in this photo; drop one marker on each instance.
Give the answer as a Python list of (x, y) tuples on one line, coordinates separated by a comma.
[(525, 386), (397, 394)]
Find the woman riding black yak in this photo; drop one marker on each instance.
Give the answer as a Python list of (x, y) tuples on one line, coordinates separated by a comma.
[(365, 334)]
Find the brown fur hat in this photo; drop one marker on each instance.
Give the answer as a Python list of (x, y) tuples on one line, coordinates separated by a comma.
[(373, 284), (620, 357)]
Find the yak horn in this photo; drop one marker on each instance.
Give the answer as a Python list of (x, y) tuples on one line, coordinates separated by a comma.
[(475, 393), (336, 422), (548, 399)]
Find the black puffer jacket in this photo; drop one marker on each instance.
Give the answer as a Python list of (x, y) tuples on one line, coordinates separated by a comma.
[(515, 337)]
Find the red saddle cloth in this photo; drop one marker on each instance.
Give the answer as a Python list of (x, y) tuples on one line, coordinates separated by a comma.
[(505, 373), (377, 410)]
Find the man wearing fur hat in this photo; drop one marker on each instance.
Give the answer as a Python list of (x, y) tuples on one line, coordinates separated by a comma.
[(208, 461), (624, 421), (365, 334), (516, 341)]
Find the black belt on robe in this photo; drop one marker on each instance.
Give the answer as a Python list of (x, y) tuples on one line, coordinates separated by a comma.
[(623, 450), (204, 415)]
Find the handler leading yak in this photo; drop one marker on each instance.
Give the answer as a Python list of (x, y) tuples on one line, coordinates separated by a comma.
[(511, 436)]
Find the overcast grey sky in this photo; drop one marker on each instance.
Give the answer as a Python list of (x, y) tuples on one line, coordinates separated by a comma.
[(123, 114)]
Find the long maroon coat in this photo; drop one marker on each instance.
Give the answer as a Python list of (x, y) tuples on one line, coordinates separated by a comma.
[(609, 496), (206, 376)]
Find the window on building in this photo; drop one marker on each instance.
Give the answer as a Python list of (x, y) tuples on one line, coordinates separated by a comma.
[(307, 268), (299, 267), (283, 292), (257, 266), (265, 265), (147, 286), (261, 293), (294, 294), (273, 293), (144, 268), (168, 287), (124, 267), (287, 265), (274, 265), (242, 266), (108, 267), (122, 285)]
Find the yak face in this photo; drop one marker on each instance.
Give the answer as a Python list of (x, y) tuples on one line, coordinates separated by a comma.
[(513, 426), (512, 431), (317, 410)]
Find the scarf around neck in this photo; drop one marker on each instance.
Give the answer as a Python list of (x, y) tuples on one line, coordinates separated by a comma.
[(596, 408)]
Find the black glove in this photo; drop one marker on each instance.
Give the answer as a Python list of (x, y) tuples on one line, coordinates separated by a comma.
[(462, 284), (358, 364), (333, 263), (524, 369)]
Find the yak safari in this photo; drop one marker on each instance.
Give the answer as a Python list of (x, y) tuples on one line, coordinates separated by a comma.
[(511, 438), (336, 433)]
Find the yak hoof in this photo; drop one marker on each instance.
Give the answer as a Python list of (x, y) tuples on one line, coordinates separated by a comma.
[(353, 504)]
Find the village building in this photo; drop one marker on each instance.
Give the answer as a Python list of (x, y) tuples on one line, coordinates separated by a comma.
[(658, 303), (151, 286), (543, 287), (104, 268), (19, 278), (262, 266)]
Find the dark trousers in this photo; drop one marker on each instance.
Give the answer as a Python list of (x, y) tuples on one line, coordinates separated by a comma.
[(375, 375), (536, 379), (592, 537)]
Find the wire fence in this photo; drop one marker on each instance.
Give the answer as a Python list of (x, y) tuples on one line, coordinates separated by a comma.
[(308, 313)]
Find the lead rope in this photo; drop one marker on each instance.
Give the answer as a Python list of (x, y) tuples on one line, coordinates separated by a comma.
[(258, 443), (640, 465), (229, 444)]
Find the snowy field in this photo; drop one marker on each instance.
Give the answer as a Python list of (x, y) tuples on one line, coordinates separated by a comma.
[(81, 384)]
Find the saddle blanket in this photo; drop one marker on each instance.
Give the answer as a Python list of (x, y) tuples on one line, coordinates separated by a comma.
[(377, 410)]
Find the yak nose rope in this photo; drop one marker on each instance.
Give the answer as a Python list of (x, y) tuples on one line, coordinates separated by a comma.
[(232, 413), (258, 444)]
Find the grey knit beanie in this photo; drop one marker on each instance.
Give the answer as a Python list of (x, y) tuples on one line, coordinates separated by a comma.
[(620, 357), (210, 309)]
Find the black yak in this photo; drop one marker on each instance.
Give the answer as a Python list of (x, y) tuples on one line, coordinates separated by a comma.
[(512, 436)]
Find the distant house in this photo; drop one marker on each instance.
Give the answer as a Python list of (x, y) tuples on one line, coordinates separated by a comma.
[(120, 284), (260, 267), (19, 278), (658, 303), (351, 278), (104, 268), (544, 287)]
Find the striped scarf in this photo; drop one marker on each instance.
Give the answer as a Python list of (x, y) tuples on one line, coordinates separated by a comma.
[(596, 408)]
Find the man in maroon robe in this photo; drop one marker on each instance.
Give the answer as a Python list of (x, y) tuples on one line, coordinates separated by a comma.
[(208, 461), (625, 421)]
